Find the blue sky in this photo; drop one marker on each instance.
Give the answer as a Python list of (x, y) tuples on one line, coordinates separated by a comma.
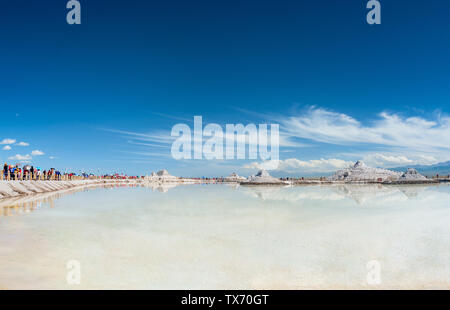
[(103, 95)]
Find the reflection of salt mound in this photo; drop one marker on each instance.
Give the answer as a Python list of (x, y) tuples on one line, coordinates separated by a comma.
[(263, 177), (360, 172), (412, 175), (411, 191), (234, 178), (233, 185), (291, 194), (371, 193), (162, 187), (261, 192)]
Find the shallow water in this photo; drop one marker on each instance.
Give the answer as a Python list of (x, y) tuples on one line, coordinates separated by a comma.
[(225, 237)]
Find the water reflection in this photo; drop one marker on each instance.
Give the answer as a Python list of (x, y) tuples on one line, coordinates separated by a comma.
[(365, 194), (362, 194), (244, 237), (291, 193), (27, 204), (162, 187)]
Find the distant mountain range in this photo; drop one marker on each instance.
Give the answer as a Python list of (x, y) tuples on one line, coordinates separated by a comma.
[(428, 170)]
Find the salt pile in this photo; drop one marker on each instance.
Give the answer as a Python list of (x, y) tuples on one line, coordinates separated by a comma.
[(263, 177), (234, 178), (164, 176), (359, 172), (412, 175), (150, 178)]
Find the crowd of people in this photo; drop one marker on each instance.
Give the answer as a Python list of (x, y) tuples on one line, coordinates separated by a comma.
[(27, 172)]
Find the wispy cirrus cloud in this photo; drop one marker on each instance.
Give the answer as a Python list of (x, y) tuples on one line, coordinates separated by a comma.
[(156, 136), (164, 139), (385, 140), (389, 160), (403, 140), (387, 129)]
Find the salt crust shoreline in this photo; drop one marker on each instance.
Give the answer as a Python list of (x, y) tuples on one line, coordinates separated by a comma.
[(10, 189), (16, 189), (20, 189)]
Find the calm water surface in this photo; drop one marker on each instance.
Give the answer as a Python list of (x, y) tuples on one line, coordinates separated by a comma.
[(225, 237)]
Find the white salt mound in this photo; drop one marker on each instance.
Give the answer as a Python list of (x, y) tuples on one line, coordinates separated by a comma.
[(360, 172), (164, 176), (263, 177), (234, 177), (163, 172), (412, 175)]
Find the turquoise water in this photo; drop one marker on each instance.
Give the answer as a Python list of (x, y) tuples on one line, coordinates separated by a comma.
[(228, 237)]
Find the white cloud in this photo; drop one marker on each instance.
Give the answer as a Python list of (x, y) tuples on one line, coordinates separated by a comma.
[(6, 148), (20, 157), (388, 129), (37, 153), (397, 160), (8, 141), (315, 164), (267, 165), (297, 165), (23, 144)]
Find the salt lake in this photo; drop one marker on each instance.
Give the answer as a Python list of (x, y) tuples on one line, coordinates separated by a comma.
[(230, 237)]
